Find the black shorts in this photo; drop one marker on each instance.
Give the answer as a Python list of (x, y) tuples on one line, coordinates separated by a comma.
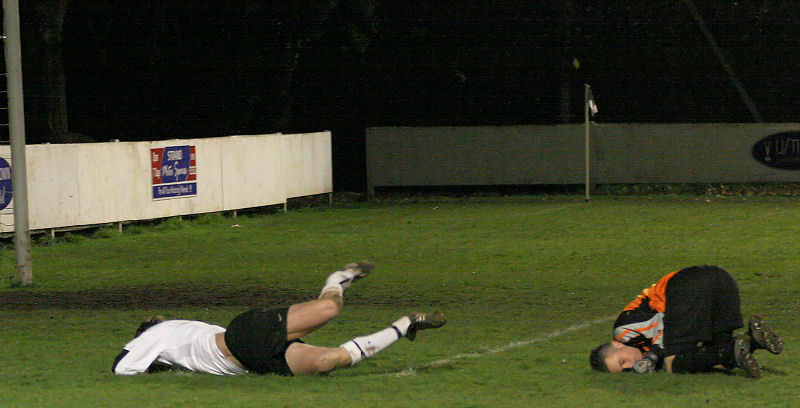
[(702, 305), (257, 338)]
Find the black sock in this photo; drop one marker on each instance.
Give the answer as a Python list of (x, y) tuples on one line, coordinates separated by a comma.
[(718, 351)]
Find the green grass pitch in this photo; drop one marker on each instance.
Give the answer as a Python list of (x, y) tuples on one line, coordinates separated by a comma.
[(529, 285)]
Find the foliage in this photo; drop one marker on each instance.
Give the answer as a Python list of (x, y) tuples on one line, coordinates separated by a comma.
[(170, 224), (106, 232), (188, 68), (705, 189)]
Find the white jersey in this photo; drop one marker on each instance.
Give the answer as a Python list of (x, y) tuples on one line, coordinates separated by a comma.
[(187, 343)]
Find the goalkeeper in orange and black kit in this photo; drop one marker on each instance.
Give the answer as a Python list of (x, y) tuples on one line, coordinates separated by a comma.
[(684, 324)]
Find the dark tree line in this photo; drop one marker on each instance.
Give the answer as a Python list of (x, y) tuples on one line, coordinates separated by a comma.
[(154, 69)]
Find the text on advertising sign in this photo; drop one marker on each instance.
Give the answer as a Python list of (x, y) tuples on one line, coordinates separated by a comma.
[(779, 151), (174, 171)]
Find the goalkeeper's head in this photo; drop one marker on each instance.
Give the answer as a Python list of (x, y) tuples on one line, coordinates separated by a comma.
[(614, 357)]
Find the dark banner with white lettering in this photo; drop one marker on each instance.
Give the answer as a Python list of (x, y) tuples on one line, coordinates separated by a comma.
[(779, 151), (174, 172)]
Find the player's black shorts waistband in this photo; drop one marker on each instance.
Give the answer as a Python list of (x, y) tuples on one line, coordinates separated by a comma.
[(257, 338)]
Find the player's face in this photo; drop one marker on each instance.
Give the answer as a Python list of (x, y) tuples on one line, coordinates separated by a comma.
[(622, 358)]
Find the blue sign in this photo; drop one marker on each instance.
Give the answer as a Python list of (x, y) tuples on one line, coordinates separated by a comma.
[(5, 184), (174, 171), (175, 190)]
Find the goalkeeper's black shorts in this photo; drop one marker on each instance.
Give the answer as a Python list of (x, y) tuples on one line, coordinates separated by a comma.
[(702, 303)]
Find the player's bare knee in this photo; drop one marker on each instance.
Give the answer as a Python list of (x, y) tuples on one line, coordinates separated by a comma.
[(328, 309), (325, 364)]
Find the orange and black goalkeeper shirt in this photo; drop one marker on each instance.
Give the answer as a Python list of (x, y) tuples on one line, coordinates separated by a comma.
[(641, 322)]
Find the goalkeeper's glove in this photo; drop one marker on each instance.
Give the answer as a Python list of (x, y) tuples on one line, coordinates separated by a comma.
[(647, 364)]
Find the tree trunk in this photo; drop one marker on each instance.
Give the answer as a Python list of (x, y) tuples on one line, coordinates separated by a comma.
[(45, 85)]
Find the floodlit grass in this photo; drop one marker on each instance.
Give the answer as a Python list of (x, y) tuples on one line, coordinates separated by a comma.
[(521, 280)]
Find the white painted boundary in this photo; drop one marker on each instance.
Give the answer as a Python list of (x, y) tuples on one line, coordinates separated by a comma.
[(516, 344), (504, 348)]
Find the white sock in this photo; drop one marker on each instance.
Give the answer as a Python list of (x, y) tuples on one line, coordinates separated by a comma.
[(402, 324), (338, 281), (367, 346)]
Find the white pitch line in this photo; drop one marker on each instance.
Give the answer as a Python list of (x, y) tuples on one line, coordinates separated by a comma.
[(504, 348), (516, 344)]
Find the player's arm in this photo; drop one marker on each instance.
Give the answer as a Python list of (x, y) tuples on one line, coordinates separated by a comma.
[(124, 364), (127, 364), (639, 329), (136, 358)]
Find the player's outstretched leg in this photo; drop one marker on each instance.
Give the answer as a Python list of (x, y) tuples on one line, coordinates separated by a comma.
[(407, 326), (305, 359), (763, 337), (304, 318)]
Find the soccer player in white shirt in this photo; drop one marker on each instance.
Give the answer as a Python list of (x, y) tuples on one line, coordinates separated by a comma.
[(264, 340)]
